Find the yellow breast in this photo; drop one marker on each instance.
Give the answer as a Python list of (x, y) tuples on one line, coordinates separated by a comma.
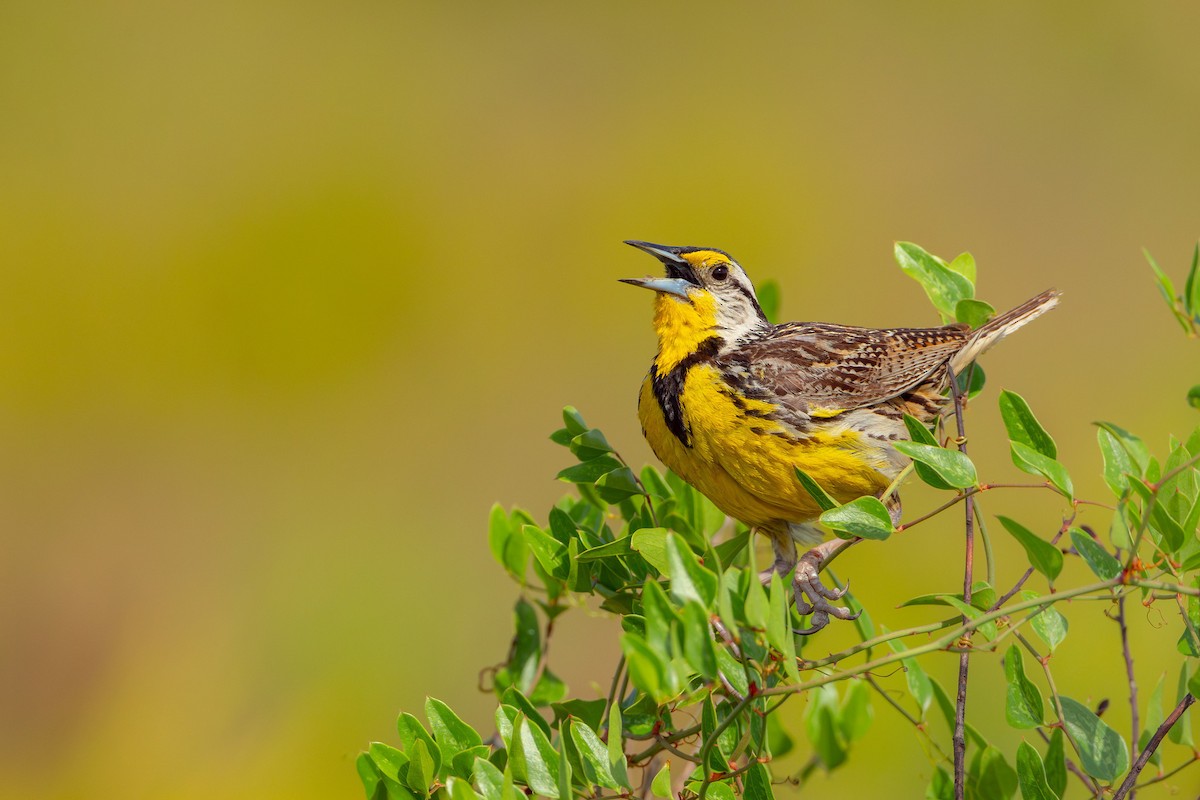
[(746, 464)]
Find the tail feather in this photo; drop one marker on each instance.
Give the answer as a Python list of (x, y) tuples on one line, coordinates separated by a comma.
[(1002, 325)]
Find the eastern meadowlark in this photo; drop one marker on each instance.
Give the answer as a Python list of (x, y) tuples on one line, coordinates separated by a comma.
[(733, 404)]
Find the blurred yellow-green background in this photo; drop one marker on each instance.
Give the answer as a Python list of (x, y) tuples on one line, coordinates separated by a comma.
[(292, 292)]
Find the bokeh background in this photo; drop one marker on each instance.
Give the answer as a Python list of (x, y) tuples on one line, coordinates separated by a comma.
[(293, 292)]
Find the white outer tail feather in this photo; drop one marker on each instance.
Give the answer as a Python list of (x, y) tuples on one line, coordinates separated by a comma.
[(997, 328)]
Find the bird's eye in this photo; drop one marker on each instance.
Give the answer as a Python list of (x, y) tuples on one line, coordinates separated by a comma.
[(720, 273)]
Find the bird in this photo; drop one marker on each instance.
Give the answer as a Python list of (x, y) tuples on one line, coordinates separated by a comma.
[(734, 404)]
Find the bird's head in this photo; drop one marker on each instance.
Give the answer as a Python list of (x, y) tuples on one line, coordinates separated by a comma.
[(705, 293)]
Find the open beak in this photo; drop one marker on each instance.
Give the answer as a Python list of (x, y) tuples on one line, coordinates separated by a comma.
[(680, 275), (676, 286)]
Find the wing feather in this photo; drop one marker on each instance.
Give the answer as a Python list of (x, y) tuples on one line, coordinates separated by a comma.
[(826, 369)]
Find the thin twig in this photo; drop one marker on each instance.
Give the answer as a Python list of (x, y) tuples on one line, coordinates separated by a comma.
[(1133, 696), (964, 658), (943, 642), (711, 740), (1152, 745), (916, 723), (1169, 773)]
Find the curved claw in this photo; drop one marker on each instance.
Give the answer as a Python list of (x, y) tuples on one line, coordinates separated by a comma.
[(812, 597)]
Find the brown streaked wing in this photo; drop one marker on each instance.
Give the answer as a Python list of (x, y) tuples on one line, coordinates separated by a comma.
[(839, 367)]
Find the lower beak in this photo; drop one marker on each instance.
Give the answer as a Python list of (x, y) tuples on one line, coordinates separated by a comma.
[(676, 286)]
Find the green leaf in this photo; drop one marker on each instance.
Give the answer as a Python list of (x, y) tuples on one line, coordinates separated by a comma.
[(918, 432), (1043, 556), (951, 466), (779, 630), (661, 785), (619, 484), (459, 789), (779, 740), (973, 312), (1049, 624), (821, 723), (647, 669), (921, 435), (732, 671), (1031, 775), (498, 532), (919, 685), (971, 381), (941, 785), (698, 646), (689, 580), (451, 734), (1099, 560), (413, 734), (757, 784), (1029, 460), (1167, 288), (856, 713), (1131, 444), (1118, 464), (1055, 763), (388, 760), (729, 549), (368, 773), (1022, 425), (994, 778), (533, 758), (527, 647), (590, 444), (944, 286), (461, 764), (1023, 707), (573, 421), (964, 264), (421, 768), (982, 598), (1191, 287), (488, 779), (1102, 752), (865, 517), (620, 547), (1181, 731), (513, 698), (768, 299), (720, 790), (589, 471), (590, 712), (616, 745), (988, 629), (549, 552), (651, 543), (659, 618), (594, 754), (822, 498)]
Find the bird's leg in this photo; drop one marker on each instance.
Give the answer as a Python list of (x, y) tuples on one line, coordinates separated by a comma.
[(893, 507), (785, 556), (812, 597)]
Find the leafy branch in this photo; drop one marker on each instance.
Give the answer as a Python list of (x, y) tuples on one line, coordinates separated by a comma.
[(709, 654)]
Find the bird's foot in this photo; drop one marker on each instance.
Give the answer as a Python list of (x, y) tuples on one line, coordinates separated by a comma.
[(785, 560), (812, 596)]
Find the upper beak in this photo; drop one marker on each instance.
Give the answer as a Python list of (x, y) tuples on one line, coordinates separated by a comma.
[(680, 275), (664, 253), (676, 286)]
